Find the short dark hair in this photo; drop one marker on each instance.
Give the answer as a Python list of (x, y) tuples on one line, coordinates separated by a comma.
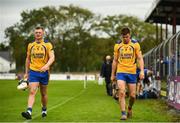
[(125, 31), (39, 27)]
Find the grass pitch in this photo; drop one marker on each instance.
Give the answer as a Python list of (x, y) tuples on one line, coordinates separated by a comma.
[(70, 102)]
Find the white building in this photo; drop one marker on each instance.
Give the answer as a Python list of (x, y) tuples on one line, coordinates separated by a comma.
[(6, 64)]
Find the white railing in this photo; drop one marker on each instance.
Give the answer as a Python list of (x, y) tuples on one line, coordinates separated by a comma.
[(53, 76)]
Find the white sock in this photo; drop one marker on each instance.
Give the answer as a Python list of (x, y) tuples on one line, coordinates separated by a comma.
[(29, 112), (44, 112)]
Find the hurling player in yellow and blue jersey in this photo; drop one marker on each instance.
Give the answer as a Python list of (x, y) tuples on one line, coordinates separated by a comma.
[(40, 56), (124, 69)]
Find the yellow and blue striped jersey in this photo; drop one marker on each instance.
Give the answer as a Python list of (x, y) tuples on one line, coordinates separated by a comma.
[(127, 54), (39, 54)]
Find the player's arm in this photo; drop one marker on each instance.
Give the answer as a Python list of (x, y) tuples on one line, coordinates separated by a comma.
[(141, 65), (50, 61), (114, 63), (27, 63), (51, 58), (114, 67)]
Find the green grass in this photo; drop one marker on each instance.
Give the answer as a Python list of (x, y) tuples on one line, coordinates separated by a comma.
[(69, 102)]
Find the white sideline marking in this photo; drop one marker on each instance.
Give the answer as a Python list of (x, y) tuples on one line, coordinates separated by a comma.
[(55, 106)]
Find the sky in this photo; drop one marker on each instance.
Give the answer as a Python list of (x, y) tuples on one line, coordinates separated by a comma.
[(10, 10)]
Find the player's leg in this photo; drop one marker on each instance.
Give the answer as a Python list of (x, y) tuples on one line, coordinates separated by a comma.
[(121, 82), (122, 101), (44, 99), (33, 87), (132, 92), (32, 93), (43, 89)]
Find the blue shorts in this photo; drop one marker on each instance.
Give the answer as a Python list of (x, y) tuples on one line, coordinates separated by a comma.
[(41, 77), (128, 78)]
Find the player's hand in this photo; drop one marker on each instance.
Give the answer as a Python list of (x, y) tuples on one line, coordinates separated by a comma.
[(44, 68), (113, 78), (26, 76), (141, 75)]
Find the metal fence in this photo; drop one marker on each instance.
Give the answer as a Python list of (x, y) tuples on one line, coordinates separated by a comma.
[(164, 60)]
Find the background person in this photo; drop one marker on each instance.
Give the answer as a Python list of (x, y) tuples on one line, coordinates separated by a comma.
[(106, 73), (145, 83)]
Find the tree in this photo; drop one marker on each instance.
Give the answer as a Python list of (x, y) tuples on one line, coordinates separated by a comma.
[(67, 27), (143, 32), (16, 45), (3, 47), (80, 38)]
